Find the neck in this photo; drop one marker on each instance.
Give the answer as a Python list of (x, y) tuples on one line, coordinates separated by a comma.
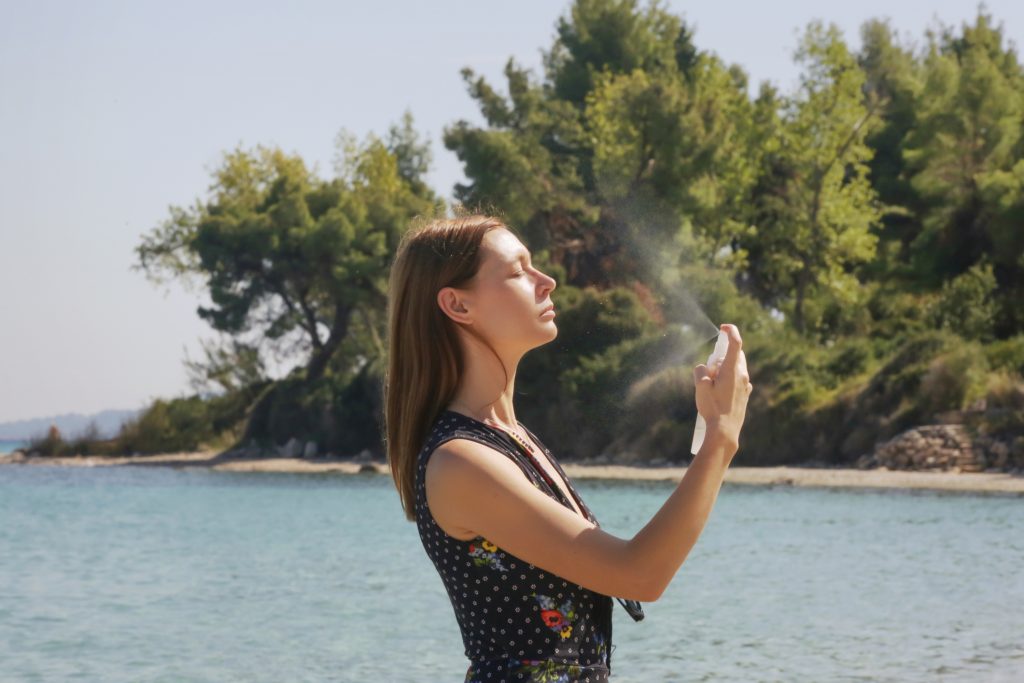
[(481, 381)]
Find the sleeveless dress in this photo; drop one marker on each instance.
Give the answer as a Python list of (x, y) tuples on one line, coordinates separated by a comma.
[(518, 622)]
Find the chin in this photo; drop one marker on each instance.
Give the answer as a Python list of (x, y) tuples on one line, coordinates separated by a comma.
[(551, 332)]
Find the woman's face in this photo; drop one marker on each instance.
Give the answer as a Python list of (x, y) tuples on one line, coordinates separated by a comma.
[(506, 298)]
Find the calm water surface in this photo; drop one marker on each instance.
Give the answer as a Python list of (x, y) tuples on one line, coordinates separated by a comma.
[(160, 574), (9, 446)]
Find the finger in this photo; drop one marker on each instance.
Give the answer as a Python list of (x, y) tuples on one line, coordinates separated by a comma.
[(701, 373), (741, 366), (732, 354), (714, 369)]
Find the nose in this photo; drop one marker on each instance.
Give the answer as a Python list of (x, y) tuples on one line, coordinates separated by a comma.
[(547, 283)]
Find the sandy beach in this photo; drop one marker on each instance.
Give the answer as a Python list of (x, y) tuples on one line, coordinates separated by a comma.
[(995, 482)]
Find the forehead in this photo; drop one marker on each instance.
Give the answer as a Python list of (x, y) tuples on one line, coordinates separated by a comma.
[(503, 246)]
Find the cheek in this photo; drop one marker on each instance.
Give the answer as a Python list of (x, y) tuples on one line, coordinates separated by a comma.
[(513, 307)]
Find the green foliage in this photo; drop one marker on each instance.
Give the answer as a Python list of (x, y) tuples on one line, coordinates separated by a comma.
[(1004, 403), (632, 137), (591, 321), (954, 380), (338, 411), (615, 36), (177, 425), (968, 128), (863, 231), (963, 157), (850, 357), (291, 258), (967, 304), (896, 313), (1007, 354), (817, 208), (185, 424), (53, 443)]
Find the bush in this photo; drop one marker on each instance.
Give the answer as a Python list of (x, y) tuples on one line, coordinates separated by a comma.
[(850, 357), (897, 314), (967, 304), (953, 380), (180, 424), (51, 443), (1004, 406), (340, 412), (1007, 354)]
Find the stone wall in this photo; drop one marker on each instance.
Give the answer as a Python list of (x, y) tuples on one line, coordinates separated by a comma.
[(947, 447)]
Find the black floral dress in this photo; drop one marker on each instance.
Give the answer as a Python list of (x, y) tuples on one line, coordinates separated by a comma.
[(518, 622)]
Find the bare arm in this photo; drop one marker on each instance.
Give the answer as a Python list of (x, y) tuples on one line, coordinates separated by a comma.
[(661, 547), (471, 487)]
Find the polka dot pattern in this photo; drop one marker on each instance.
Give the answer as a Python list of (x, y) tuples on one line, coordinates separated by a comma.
[(518, 622)]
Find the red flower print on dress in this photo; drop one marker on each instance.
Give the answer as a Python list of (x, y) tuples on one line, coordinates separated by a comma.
[(555, 617)]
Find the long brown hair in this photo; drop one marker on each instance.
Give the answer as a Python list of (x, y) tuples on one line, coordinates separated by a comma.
[(425, 360)]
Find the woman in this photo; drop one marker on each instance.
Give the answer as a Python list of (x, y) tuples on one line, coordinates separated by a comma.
[(526, 566)]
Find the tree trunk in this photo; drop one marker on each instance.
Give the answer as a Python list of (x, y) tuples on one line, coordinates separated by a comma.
[(798, 310), (322, 356)]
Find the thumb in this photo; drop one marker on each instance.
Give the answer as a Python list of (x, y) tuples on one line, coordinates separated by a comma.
[(701, 375)]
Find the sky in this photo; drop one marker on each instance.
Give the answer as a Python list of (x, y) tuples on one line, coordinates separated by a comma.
[(112, 112)]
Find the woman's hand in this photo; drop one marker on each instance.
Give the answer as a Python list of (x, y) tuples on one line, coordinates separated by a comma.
[(722, 391)]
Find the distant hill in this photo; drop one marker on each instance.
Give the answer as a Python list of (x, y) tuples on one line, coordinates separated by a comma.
[(70, 424)]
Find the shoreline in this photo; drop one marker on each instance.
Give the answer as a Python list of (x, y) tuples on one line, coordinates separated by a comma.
[(881, 478)]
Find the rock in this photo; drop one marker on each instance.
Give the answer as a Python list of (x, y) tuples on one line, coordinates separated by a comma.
[(310, 451), (865, 461), (934, 447), (292, 449)]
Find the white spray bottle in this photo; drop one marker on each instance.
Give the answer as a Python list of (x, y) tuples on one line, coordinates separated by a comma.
[(716, 357)]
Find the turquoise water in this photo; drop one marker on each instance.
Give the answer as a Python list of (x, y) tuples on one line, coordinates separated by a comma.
[(161, 574), (8, 446)]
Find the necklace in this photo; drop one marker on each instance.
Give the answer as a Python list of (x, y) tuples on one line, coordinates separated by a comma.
[(531, 453), (515, 436)]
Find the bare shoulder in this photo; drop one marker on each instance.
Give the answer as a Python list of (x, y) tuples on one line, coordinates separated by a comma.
[(464, 461), (461, 465), (456, 472)]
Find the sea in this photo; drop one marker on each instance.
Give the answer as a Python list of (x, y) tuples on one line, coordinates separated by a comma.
[(162, 574), (9, 446)]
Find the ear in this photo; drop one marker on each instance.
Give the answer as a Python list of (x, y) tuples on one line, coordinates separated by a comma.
[(454, 304)]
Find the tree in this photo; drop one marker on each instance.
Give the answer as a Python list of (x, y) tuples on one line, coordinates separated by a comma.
[(893, 79), (289, 258), (614, 36), (964, 159), (816, 209), (970, 113), (633, 147)]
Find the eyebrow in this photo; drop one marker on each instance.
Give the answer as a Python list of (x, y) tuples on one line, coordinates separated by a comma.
[(520, 254)]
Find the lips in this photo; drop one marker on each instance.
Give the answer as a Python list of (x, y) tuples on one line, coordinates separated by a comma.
[(550, 307)]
